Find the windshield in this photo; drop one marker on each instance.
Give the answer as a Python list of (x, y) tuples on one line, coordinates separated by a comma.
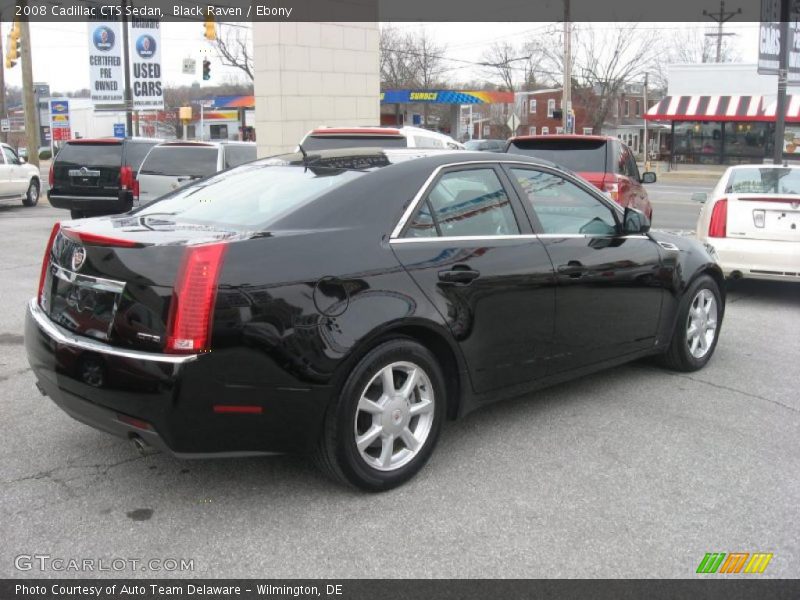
[(581, 156), (252, 197), (767, 180), (181, 160), (329, 142)]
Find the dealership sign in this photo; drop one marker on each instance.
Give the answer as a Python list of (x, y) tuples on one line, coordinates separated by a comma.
[(769, 41), (106, 69), (144, 37)]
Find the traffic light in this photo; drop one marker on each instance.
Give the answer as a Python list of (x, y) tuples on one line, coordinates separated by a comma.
[(211, 28), (13, 49), (206, 69)]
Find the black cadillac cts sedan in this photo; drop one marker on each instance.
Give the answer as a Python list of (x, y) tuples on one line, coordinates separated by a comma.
[(344, 304)]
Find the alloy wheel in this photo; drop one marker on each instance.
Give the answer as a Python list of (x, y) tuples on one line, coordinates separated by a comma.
[(394, 416), (701, 323)]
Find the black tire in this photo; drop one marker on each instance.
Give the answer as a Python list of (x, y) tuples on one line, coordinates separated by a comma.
[(678, 356), (337, 454), (32, 195), (77, 214)]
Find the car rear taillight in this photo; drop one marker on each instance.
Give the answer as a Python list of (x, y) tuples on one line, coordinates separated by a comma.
[(46, 260), (136, 190), (51, 176), (611, 187), (126, 178), (193, 299), (718, 227)]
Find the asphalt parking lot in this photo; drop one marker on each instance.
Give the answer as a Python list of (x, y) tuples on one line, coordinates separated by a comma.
[(635, 472)]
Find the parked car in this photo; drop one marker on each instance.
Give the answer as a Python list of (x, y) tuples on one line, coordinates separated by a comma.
[(486, 145), (91, 177), (171, 165), (604, 161), (277, 307), (752, 220), (18, 180), (330, 138)]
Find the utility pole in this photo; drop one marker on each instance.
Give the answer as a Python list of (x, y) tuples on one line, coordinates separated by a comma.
[(29, 104), (127, 66), (644, 118), (720, 18), (566, 92), (3, 115), (783, 77)]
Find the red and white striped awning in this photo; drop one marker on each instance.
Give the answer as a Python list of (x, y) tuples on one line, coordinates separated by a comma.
[(722, 108)]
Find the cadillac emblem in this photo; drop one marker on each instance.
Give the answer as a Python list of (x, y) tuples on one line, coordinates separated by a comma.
[(78, 258)]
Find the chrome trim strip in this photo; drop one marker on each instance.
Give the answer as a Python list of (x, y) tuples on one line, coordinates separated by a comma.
[(62, 336), (96, 283), (84, 198), (395, 235), (464, 238)]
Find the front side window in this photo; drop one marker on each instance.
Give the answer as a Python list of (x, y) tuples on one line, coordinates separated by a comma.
[(562, 207), (9, 155), (465, 203)]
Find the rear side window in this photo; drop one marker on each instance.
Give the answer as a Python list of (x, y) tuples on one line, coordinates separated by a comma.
[(181, 160), (236, 155), (91, 155), (135, 153), (465, 203), (582, 156), (330, 142)]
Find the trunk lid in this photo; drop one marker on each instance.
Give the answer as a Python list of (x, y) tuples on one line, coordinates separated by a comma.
[(88, 168), (774, 217), (112, 279)]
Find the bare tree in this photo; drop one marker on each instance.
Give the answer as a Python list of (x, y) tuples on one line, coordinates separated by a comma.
[(234, 49), (688, 46), (501, 63), (397, 60), (607, 60), (428, 63)]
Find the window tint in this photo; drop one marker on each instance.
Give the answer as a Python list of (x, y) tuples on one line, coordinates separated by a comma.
[(633, 168), (236, 155), (253, 196), (91, 155), (466, 203), (181, 160), (330, 142), (575, 154), (135, 153), (10, 156), (563, 207)]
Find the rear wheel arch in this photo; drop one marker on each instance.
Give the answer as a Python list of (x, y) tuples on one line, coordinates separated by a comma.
[(429, 336)]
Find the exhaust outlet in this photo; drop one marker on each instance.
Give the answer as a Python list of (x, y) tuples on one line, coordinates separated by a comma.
[(140, 445)]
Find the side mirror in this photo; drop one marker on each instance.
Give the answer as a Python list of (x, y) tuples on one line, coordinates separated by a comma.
[(634, 222), (648, 177), (700, 197), (21, 160)]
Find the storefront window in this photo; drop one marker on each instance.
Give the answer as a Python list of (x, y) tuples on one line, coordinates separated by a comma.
[(699, 143), (745, 142)]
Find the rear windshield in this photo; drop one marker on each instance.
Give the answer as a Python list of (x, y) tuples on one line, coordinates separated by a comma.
[(236, 155), (135, 153), (576, 155), (91, 155), (181, 160), (250, 197), (330, 142), (764, 181)]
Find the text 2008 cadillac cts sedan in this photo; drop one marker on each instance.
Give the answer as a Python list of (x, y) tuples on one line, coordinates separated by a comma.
[(345, 303)]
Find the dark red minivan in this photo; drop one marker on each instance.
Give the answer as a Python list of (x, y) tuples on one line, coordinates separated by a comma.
[(603, 161)]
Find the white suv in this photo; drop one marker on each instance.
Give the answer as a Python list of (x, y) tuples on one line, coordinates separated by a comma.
[(171, 165), (17, 178), (328, 138)]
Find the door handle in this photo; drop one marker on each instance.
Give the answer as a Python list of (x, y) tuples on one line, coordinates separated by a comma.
[(574, 269), (460, 276)]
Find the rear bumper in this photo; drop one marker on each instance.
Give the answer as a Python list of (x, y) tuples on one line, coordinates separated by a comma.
[(758, 259), (108, 204), (168, 401)]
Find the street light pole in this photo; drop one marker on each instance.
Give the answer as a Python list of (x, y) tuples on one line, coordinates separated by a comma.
[(566, 93), (127, 61), (783, 77), (29, 104)]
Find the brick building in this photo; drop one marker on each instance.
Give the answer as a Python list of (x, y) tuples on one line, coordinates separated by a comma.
[(536, 112)]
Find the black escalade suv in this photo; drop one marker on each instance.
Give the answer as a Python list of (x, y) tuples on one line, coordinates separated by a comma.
[(97, 176)]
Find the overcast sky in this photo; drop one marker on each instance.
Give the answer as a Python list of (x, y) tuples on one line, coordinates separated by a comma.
[(60, 49)]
